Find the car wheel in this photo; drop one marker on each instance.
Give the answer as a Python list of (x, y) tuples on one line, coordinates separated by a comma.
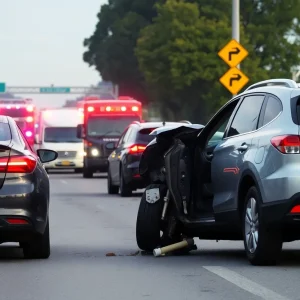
[(263, 245), (87, 173), (148, 223), (111, 189), (125, 189), (39, 247)]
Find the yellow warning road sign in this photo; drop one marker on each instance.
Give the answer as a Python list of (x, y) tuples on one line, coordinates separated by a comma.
[(234, 80), (233, 53)]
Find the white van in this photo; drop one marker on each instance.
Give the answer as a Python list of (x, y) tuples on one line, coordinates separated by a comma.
[(57, 131)]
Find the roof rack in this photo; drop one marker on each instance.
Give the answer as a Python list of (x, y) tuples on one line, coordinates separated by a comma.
[(289, 83)]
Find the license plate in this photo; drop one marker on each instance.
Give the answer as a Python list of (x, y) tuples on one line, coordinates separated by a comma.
[(65, 163)]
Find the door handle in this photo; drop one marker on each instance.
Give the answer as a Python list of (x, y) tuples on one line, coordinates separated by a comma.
[(243, 147)]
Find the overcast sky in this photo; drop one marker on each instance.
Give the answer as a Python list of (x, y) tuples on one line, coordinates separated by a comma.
[(41, 44)]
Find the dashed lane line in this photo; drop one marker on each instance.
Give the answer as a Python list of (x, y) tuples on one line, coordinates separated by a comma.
[(245, 283)]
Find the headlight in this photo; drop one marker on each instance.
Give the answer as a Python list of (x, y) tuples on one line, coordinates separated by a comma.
[(95, 152), (82, 153)]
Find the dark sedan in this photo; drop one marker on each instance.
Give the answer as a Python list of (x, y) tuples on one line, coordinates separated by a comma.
[(123, 163), (24, 192)]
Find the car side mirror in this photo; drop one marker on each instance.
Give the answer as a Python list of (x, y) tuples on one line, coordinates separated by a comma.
[(46, 155), (111, 146), (79, 131)]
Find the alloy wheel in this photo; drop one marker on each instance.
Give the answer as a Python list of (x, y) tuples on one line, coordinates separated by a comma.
[(251, 225)]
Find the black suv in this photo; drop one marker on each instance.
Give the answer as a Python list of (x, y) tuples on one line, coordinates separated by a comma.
[(123, 163)]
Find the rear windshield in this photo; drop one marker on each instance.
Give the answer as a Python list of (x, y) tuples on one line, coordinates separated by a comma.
[(61, 135), (144, 137), (5, 134)]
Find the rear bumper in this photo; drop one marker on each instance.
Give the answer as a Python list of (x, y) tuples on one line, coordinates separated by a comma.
[(133, 178), (96, 163), (27, 204), (277, 214)]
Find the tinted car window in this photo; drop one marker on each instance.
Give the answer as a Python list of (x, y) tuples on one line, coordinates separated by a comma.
[(143, 135), (247, 115), (5, 134), (273, 109)]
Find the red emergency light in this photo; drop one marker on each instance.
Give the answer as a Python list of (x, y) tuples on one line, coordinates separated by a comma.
[(113, 108)]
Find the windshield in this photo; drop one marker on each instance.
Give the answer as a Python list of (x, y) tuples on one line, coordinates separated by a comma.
[(61, 135), (108, 126)]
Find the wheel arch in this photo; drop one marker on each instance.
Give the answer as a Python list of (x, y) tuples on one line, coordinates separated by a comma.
[(248, 179)]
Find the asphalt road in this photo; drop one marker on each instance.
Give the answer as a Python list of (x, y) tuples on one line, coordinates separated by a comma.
[(86, 224)]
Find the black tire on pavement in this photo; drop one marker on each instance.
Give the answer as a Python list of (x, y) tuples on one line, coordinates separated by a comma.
[(39, 248), (125, 189), (268, 240), (87, 173), (111, 189), (148, 223)]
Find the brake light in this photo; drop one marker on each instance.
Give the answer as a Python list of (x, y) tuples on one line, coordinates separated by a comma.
[(29, 119), (90, 109), (135, 149), (29, 108), (17, 164), (135, 108), (295, 209), (287, 144)]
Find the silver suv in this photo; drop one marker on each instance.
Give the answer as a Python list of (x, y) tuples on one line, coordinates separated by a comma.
[(239, 178)]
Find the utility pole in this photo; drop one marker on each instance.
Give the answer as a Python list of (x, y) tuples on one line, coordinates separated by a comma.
[(236, 21)]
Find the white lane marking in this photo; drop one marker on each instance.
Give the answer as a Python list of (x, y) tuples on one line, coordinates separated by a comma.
[(244, 283), (63, 181)]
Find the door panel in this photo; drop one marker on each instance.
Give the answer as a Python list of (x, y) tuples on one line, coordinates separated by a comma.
[(232, 154)]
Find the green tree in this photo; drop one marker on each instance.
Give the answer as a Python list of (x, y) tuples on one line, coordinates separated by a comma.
[(110, 49), (178, 55)]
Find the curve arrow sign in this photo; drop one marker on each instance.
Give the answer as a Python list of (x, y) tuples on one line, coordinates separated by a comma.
[(236, 78), (236, 51)]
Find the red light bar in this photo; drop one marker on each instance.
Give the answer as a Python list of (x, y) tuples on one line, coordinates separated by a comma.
[(29, 108), (91, 108)]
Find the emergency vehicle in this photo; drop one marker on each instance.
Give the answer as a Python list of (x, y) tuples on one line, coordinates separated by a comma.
[(104, 122), (24, 113), (57, 131)]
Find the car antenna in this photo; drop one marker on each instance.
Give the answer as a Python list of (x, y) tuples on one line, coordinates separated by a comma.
[(164, 123)]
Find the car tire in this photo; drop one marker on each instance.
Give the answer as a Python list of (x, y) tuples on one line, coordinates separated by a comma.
[(111, 189), (87, 173), (148, 223), (125, 189), (39, 248), (263, 244)]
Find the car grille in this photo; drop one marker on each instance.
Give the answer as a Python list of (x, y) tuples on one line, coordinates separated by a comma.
[(66, 154)]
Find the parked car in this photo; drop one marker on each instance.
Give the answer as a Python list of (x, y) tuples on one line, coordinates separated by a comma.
[(123, 163), (243, 184), (24, 192)]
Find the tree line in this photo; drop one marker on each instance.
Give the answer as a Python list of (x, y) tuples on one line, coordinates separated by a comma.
[(164, 52)]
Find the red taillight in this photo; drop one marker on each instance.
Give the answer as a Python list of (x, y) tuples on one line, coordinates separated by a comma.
[(17, 164), (287, 144), (295, 209), (135, 149), (15, 221)]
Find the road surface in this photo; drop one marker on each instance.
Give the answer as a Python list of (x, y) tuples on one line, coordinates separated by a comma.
[(87, 224)]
